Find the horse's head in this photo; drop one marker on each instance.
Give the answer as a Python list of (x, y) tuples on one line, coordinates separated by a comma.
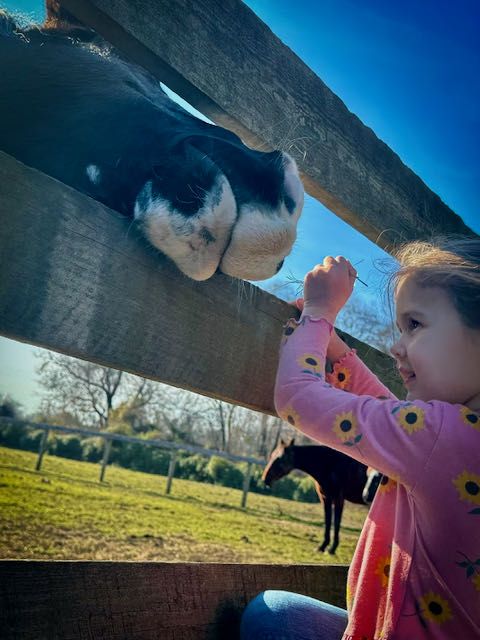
[(105, 127), (374, 478), (214, 204), (281, 462)]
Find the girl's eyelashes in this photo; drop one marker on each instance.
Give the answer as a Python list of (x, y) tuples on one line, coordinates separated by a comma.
[(412, 324), (408, 324)]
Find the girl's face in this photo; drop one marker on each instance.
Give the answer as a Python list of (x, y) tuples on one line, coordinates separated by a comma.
[(437, 355)]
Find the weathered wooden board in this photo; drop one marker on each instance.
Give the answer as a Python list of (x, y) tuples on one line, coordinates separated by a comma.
[(75, 279), (228, 64), (145, 601)]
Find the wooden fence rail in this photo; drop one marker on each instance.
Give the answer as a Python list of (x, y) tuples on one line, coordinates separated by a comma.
[(77, 280), (108, 438), (145, 601)]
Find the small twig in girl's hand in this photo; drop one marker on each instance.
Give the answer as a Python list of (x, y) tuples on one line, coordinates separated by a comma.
[(356, 277), (291, 279)]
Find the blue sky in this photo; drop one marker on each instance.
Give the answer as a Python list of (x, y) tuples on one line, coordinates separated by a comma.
[(410, 70)]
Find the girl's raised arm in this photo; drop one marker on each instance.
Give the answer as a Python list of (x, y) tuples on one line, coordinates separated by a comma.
[(392, 436)]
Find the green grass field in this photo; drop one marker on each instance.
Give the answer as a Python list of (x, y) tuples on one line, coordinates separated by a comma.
[(63, 512)]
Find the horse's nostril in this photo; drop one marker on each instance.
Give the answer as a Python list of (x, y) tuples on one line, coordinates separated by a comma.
[(289, 203)]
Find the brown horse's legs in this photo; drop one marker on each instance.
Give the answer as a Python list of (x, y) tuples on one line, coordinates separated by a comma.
[(338, 506), (327, 509)]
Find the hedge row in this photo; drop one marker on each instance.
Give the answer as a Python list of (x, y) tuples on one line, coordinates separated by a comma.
[(139, 457)]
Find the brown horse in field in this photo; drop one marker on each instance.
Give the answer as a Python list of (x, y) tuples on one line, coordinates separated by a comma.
[(337, 478)]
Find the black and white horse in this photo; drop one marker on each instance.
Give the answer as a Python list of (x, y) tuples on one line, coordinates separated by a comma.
[(104, 126)]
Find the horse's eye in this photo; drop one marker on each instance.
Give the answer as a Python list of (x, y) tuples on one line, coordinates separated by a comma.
[(280, 265)]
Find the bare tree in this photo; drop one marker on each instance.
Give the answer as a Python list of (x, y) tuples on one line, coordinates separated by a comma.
[(89, 392), (179, 415), (270, 430), (221, 417)]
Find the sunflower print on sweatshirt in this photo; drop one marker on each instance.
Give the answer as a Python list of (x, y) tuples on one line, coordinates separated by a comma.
[(409, 417), (470, 417), (467, 484), (345, 427)]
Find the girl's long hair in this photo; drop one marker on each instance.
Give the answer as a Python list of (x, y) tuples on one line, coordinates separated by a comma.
[(449, 262)]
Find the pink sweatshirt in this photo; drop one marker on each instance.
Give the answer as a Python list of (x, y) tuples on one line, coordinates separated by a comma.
[(415, 573)]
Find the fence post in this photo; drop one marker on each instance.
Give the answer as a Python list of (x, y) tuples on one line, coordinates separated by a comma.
[(106, 455), (171, 471), (246, 485), (41, 449)]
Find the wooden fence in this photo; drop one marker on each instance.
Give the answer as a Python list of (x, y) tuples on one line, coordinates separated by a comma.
[(109, 438), (64, 258)]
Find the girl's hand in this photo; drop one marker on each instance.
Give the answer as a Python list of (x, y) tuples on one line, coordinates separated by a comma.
[(327, 287)]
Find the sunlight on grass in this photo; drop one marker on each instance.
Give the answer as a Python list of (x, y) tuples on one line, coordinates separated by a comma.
[(64, 512)]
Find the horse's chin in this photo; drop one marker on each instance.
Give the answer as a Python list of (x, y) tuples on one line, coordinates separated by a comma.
[(260, 241), (195, 243)]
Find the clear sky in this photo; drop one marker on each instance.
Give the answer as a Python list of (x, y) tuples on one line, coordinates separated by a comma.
[(410, 70)]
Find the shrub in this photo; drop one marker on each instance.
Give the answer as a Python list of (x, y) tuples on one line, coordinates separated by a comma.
[(285, 488), (193, 468), (224, 472), (66, 447), (138, 457), (305, 490), (30, 440), (92, 449), (159, 460), (12, 434)]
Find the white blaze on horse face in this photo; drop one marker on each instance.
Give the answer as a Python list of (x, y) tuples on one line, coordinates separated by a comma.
[(292, 183), (373, 476), (93, 173), (195, 243)]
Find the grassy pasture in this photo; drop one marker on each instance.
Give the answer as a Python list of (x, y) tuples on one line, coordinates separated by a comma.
[(63, 512)]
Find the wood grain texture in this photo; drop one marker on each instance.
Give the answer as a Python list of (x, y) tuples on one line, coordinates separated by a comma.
[(145, 601), (228, 64), (76, 278)]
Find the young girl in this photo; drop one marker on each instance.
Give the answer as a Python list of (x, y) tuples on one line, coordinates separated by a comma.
[(415, 573)]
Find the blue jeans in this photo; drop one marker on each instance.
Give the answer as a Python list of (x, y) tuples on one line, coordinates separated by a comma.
[(281, 615)]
